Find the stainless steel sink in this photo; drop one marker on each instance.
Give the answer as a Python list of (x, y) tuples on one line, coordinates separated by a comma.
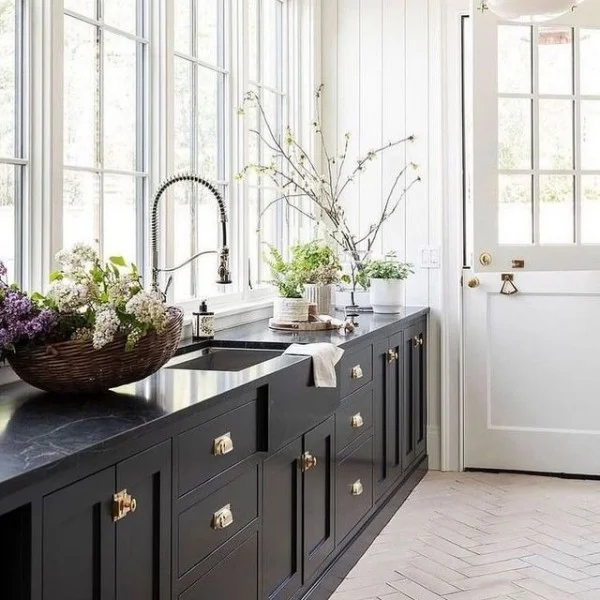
[(223, 359)]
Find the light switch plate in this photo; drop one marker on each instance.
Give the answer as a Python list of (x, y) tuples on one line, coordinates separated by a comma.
[(430, 257)]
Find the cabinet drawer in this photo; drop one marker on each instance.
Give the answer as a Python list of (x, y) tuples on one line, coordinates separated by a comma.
[(354, 490), (216, 519), (356, 370), (235, 578), (214, 447), (354, 417)]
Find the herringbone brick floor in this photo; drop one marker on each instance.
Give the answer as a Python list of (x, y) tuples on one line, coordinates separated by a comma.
[(479, 536)]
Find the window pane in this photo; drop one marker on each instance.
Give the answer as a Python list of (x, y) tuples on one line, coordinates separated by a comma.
[(514, 133), (83, 7), (182, 109), (590, 65), (514, 59), (590, 134), (253, 55), (207, 34), (182, 198), (555, 49), (515, 209), (208, 122), (121, 14), (119, 227), (7, 77), (7, 218), (590, 209), (119, 102), (81, 214), (556, 134), (258, 199), (556, 209), (81, 89), (271, 43), (183, 30)]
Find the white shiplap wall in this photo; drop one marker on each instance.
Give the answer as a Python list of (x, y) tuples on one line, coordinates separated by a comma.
[(381, 66)]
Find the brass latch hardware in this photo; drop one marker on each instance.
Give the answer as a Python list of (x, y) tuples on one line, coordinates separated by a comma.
[(473, 282), (308, 461), (418, 341), (357, 421), (483, 6), (356, 489), (518, 263), (222, 518), (123, 504), (357, 372), (222, 445), (485, 259), (508, 287), (392, 355)]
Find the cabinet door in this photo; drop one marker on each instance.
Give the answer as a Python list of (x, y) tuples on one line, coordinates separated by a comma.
[(318, 513), (281, 523), (79, 541), (415, 396), (144, 536)]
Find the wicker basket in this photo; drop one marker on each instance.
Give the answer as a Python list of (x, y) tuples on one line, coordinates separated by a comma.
[(75, 366)]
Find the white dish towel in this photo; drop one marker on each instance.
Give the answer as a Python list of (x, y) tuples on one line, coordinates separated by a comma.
[(325, 357)]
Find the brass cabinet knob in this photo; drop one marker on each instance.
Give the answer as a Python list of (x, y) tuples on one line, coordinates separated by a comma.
[(222, 445), (356, 489), (473, 282), (309, 461), (357, 421), (392, 355), (357, 372), (418, 341), (223, 518), (123, 504)]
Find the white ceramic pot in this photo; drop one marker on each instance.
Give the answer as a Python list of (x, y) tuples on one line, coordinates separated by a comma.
[(321, 295), (290, 309), (387, 295)]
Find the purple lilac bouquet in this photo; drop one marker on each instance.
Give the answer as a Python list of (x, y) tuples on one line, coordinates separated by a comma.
[(21, 320)]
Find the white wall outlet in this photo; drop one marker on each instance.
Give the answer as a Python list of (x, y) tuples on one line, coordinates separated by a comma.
[(430, 257)]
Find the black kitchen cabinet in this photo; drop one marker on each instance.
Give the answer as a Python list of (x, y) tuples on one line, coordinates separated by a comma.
[(298, 511), (87, 555)]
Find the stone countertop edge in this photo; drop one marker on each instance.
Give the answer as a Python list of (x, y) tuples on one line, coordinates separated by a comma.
[(43, 433)]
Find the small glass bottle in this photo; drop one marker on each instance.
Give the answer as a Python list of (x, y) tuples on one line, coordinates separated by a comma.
[(203, 323)]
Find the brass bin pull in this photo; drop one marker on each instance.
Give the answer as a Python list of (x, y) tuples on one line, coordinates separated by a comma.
[(356, 489), (308, 461), (357, 372), (223, 518), (508, 285), (392, 355), (222, 445), (123, 504), (357, 421)]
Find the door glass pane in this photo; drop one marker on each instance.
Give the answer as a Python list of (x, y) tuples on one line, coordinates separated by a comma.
[(121, 14), (182, 108), (207, 26), (556, 209), (556, 134), (7, 77), (7, 218), (81, 214), (119, 102), (515, 209), (590, 209), (208, 121), (119, 226), (81, 89), (590, 134), (555, 50), (590, 65), (183, 26), (514, 133), (83, 7), (514, 59)]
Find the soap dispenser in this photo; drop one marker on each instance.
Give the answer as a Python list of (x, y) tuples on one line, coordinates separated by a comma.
[(203, 323)]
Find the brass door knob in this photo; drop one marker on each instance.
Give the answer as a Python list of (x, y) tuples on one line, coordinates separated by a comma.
[(473, 282), (222, 445), (393, 355), (357, 421), (223, 518), (357, 372), (308, 461)]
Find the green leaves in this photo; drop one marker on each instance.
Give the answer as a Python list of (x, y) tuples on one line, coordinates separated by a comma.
[(388, 268), (119, 261)]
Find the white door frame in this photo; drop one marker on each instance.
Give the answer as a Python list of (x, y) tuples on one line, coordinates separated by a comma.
[(452, 393)]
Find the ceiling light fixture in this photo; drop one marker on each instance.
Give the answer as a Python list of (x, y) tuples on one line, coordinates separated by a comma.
[(529, 11)]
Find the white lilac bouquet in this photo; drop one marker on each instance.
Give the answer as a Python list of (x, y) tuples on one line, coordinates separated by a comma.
[(86, 300)]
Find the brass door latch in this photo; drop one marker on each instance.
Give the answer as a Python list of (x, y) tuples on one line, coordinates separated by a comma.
[(418, 341), (392, 355), (223, 518), (123, 504), (222, 445), (357, 372), (357, 421), (508, 286), (308, 461), (356, 489)]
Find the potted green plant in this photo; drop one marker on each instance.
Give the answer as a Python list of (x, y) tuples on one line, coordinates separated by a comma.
[(290, 305), (387, 278), (318, 268)]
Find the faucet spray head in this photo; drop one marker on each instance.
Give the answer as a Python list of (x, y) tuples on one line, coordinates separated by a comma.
[(224, 276)]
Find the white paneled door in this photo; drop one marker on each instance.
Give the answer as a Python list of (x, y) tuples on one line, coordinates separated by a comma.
[(532, 353)]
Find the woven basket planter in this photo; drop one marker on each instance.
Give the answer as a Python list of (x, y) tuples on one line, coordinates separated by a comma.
[(75, 366)]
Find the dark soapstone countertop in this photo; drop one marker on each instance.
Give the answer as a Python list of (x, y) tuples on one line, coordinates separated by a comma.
[(39, 431)]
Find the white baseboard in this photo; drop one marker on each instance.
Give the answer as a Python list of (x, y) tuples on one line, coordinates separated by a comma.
[(434, 447)]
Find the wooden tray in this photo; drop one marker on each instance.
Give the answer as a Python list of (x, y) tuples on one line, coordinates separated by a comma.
[(302, 325)]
